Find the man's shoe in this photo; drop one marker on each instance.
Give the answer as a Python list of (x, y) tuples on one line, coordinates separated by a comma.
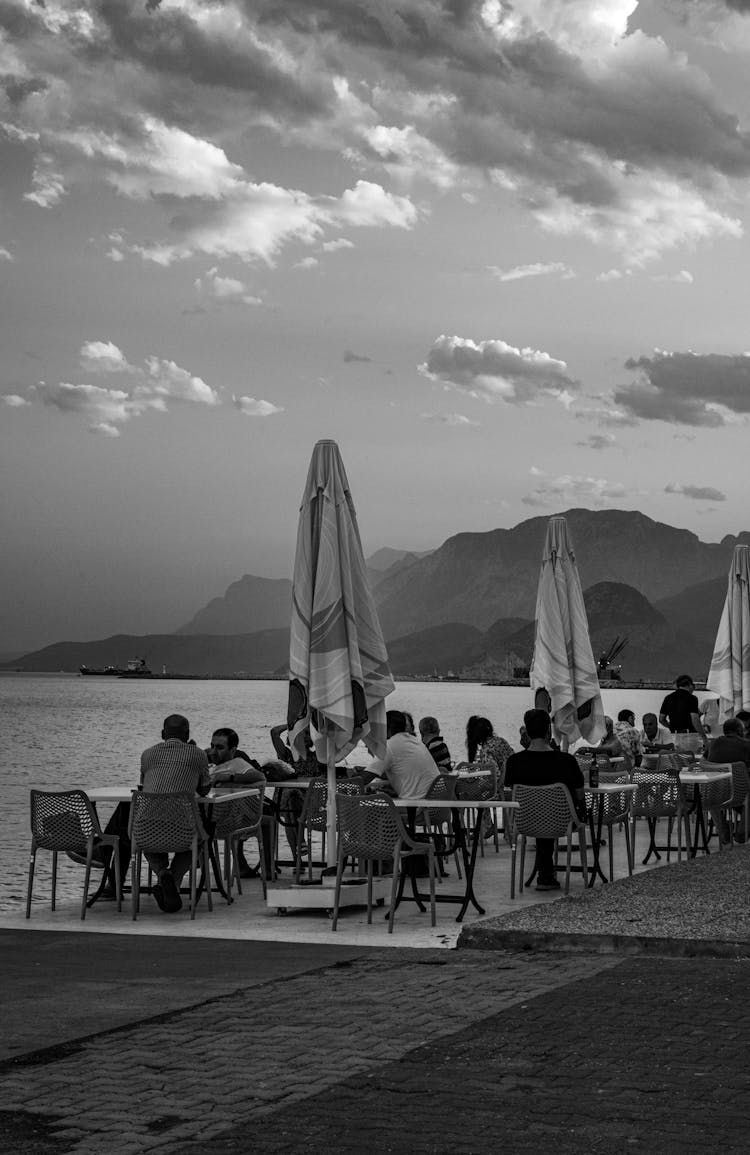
[(738, 837), (170, 893), (248, 871), (552, 884), (108, 894), (158, 894)]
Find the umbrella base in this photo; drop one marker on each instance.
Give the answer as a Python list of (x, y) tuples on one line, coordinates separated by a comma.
[(319, 896)]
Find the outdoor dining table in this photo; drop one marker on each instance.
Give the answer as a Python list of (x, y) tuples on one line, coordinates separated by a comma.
[(455, 806), (216, 796), (599, 794), (697, 778)]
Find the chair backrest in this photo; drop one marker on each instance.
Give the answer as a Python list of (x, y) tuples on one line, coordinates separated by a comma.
[(63, 820), (444, 788), (239, 814), (669, 762), (164, 822), (369, 825), (479, 789), (543, 811), (656, 795)]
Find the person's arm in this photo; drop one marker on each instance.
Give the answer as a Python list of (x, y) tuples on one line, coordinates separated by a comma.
[(246, 776), (698, 725), (204, 778), (663, 720), (281, 748)]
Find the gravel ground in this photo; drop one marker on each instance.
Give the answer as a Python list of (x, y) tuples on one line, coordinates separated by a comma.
[(705, 899)]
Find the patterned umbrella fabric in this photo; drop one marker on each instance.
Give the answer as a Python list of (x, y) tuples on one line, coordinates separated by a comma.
[(338, 663), (563, 663), (729, 675)]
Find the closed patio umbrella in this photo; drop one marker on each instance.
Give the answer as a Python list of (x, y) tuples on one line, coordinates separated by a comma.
[(729, 676), (563, 663), (338, 664)]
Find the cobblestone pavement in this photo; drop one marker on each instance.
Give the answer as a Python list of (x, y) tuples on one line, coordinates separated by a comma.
[(412, 1052)]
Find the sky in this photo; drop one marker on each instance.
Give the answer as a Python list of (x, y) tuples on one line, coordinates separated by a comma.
[(498, 251)]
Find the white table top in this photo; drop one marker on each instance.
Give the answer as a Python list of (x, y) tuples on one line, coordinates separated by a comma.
[(214, 796), (612, 788), (699, 777), (454, 804)]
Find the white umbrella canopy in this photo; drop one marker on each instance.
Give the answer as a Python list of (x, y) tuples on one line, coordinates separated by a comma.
[(339, 676), (563, 664), (729, 676)]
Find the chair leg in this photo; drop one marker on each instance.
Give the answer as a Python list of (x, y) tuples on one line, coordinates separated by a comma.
[(567, 862), (522, 864), (370, 867), (193, 872), (610, 838), (54, 880), (583, 849), (207, 868), (135, 881), (337, 889), (32, 864), (262, 861), (394, 885), (87, 879), (431, 867), (513, 848), (628, 828)]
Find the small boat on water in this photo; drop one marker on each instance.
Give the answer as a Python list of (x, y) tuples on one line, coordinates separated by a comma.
[(135, 668)]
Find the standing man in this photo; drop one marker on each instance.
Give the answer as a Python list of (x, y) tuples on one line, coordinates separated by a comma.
[(175, 764), (680, 711), (540, 765)]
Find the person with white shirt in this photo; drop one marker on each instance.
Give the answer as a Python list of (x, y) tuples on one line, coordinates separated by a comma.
[(407, 769), (653, 734)]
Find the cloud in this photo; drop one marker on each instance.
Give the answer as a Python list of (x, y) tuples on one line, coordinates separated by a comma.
[(687, 388), (47, 185), (166, 379), (696, 492), (536, 270), (306, 263), (6, 254), (252, 408), (455, 420), (598, 441), (104, 409), (614, 275), (681, 278), (350, 357), (497, 371), (337, 245), (595, 491), (226, 290), (14, 401), (103, 357)]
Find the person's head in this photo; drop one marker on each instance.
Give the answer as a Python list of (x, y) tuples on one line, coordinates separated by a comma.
[(609, 725), (409, 723), (650, 725), (626, 716), (744, 717), (735, 727), (175, 726), (395, 721), (478, 730), (685, 682), (224, 743), (538, 725), (523, 737), (428, 728)]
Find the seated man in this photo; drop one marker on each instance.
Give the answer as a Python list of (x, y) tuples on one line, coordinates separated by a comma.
[(655, 737), (172, 765), (429, 731), (610, 743), (730, 746), (232, 766), (629, 738), (408, 769), (540, 765)]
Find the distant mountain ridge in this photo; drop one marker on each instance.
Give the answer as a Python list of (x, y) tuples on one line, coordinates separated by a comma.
[(469, 605)]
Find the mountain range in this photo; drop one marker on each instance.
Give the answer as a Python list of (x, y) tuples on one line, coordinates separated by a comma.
[(468, 606)]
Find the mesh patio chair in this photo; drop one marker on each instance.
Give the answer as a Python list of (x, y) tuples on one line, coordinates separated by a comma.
[(613, 810), (67, 821), (234, 823), (546, 812), (485, 771), (660, 794), (729, 795), (164, 824), (370, 830), (314, 819), (438, 823)]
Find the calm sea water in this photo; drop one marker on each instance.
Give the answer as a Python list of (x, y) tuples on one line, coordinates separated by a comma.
[(60, 731)]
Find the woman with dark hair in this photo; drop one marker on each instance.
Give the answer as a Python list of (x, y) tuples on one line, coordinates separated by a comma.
[(482, 743)]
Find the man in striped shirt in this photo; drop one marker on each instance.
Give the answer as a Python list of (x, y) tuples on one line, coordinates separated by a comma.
[(175, 764), (429, 731)]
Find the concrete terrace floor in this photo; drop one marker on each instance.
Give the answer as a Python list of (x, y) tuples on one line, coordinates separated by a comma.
[(248, 918)]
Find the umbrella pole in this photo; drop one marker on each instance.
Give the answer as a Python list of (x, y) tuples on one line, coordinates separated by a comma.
[(331, 848)]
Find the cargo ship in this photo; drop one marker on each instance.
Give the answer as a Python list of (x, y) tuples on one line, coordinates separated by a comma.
[(135, 668)]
